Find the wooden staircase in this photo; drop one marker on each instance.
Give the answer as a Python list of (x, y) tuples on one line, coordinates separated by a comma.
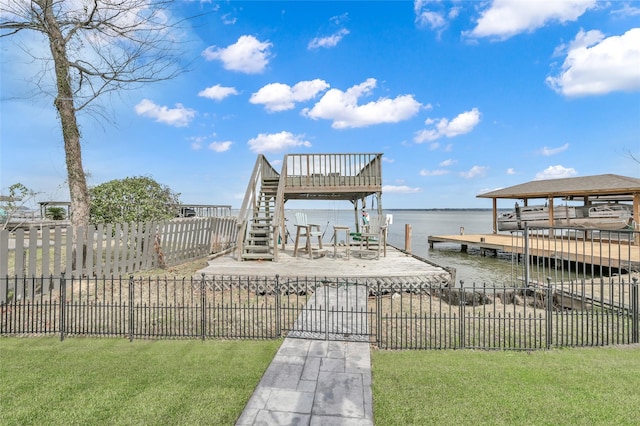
[(258, 243)]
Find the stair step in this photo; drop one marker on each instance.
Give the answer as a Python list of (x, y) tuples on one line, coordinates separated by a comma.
[(261, 228), (260, 232), (258, 238), (257, 249), (257, 256)]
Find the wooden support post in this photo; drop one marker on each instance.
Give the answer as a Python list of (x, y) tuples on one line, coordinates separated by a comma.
[(407, 238)]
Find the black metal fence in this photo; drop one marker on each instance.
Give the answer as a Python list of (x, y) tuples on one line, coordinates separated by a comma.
[(390, 314)]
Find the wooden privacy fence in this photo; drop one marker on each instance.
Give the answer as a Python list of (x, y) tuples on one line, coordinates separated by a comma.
[(112, 249)]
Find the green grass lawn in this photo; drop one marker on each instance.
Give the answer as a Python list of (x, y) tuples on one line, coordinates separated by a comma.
[(116, 382), (113, 381), (559, 387)]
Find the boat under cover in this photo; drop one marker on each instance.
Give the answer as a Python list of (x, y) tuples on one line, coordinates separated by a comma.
[(611, 216)]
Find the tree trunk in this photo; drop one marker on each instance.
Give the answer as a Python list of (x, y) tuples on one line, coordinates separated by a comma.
[(77, 182)]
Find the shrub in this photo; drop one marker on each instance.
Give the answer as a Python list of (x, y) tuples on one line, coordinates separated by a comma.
[(56, 213), (133, 199)]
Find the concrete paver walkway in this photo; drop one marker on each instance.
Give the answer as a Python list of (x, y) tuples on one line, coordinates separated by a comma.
[(319, 382), (313, 382)]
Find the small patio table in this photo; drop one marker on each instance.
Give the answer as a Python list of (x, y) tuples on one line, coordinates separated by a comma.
[(336, 230)]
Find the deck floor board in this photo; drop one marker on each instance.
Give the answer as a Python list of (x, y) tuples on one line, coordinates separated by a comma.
[(397, 263)]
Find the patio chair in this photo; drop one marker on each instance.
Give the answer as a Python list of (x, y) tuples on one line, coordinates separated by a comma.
[(375, 233), (308, 231)]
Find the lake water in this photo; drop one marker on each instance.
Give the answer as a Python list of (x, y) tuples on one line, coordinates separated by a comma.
[(470, 267)]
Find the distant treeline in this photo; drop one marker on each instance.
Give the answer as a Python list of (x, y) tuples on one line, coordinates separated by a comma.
[(444, 210)]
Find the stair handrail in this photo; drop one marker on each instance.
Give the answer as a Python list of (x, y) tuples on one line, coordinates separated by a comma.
[(249, 198), (262, 168), (278, 214)]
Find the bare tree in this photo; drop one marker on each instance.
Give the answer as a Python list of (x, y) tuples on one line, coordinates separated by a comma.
[(10, 206), (96, 47)]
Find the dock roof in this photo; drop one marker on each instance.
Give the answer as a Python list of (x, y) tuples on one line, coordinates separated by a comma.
[(597, 185)]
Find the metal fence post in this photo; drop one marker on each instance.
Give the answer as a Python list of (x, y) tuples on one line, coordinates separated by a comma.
[(203, 297), (461, 301), (278, 307), (378, 316), (527, 271), (549, 306), (131, 314), (634, 309), (326, 309), (63, 311)]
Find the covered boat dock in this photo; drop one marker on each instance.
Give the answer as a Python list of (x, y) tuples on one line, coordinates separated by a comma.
[(619, 252), (588, 189)]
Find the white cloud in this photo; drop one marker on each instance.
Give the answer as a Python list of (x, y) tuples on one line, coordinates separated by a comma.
[(228, 19), (626, 10), (555, 172), (433, 20), (276, 142), (178, 116), (400, 189), (427, 16), (280, 97), (463, 123), (511, 171), (437, 172), (329, 41), (475, 171), (220, 146), (506, 18), (276, 163), (196, 142), (448, 162), (343, 109), (547, 152), (596, 65), (217, 92), (247, 55)]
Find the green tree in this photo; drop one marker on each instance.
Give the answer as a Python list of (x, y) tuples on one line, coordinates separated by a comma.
[(133, 199)]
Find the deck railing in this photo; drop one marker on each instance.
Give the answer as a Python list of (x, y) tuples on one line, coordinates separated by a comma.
[(343, 172)]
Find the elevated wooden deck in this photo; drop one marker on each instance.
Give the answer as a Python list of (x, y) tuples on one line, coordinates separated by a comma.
[(610, 254), (351, 177)]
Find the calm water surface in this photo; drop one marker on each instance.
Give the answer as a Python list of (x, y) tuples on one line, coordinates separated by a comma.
[(470, 267)]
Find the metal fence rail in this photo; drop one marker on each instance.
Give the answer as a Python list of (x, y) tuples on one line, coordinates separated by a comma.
[(389, 315), (566, 254)]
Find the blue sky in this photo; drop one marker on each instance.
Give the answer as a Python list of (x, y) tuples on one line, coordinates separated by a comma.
[(461, 97)]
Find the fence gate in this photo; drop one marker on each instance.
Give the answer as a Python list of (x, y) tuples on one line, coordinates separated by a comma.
[(336, 311)]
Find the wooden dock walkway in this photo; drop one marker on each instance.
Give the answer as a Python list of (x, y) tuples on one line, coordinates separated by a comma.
[(604, 253)]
